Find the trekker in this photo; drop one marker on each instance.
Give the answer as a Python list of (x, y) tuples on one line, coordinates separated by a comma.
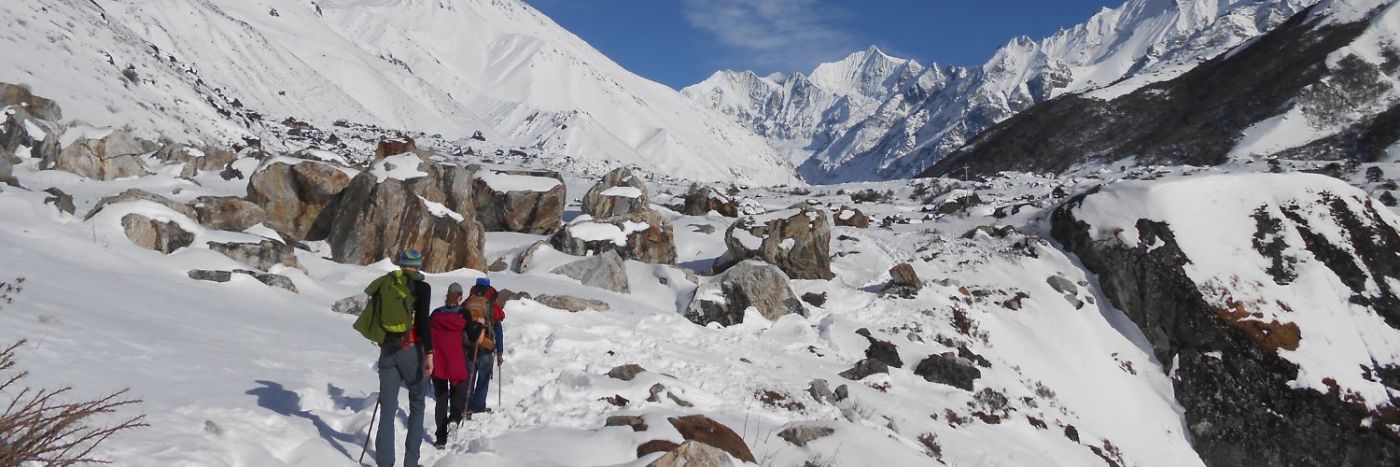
[(397, 319), (449, 325), (485, 330)]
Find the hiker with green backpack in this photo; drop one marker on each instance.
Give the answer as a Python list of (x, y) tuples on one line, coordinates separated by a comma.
[(397, 320)]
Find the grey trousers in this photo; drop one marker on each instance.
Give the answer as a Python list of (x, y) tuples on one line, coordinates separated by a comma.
[(400, 368)]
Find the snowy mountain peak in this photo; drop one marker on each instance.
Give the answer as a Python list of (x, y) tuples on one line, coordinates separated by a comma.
[(870, 73)]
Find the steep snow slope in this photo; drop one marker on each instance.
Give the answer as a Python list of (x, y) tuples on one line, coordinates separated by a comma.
[(1114, 52), (198, 68)]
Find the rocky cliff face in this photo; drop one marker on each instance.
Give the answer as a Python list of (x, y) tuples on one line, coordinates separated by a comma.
[(1275, 311)]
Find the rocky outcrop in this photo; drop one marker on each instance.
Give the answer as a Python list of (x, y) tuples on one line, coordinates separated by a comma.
[(21, 133), (645, 237), (796, 240), (139, 195), (882, 350), (948, 369), (571, 303), (370, 221), (151, 234), (750, 283), (694, 454), (519, 201), (195, 160), (21, 96), (701, 200), (606, 271), (105, 154), (262, 256), (525, 259), (702, 429), (864, 368), (228, 213), (619, 193), (293, 195), (904, 282), (446, 184), (848, 216), (60, 200), (1227, 305), (394, 147), (626, 372)]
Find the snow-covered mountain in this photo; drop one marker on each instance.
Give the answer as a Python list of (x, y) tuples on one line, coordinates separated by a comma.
[(216, 71), (1323, 86), (923, 118)]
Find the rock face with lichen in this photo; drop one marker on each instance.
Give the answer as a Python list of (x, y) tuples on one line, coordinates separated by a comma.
[(620, 192), (1277, 307), (293, 195), (519, 201), (797, 240)]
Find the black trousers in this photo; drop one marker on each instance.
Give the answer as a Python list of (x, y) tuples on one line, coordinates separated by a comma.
[(448, 395)]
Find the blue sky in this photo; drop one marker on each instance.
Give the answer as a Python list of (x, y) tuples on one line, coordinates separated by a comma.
[(680, 42)]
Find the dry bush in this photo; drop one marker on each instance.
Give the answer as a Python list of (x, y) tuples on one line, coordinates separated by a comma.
[(37, 426)]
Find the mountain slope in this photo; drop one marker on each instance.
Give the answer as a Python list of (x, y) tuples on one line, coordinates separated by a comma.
[(215, 70), (1114, 52), (1322, 86)]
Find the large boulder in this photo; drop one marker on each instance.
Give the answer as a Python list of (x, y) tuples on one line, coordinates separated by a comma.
[(23, 134), (618, 193), (519, 201), (151, 234), (1275, 299), (228, 213), (797, 240), (262, 256), (371, 220), (948, 369), (645, 237), (445, 184), (293, 195), (21, 96), (702, 200), (750, 283), (140, 195), (101, 154), (702, 429), (848, 216), (395, 146), (692, 454), (607, 271), (904, 282)]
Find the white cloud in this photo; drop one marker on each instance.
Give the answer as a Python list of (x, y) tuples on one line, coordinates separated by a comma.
[(773, 35)]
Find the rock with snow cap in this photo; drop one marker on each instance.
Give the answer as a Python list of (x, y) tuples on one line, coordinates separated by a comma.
[(620, 192), (702, 200), (749, 284), (293, 195), (519, 201), (371, 220), (99, 153), (797, 240), (646, 236)]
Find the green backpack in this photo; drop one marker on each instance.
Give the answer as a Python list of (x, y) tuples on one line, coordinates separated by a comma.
[(390, 307)]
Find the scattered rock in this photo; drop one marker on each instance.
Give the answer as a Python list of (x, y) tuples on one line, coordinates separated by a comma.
[(904, 282), (165, 237), (694, 454), (750, 283), (370, 221), (395, 146), (1062, 285), (273, 280), (884, 351), (814, 299), (262, 256), (842, 393), (140, 195), (21, 96), (820, 391), (948, 370), (507, 295), (228, 213), (352, 305), (654, 446), (606, 271), (60, 200), (522, 262), (637, 423), (801, 435), (572, 304), (864, 368), (701, 200), (105, 154), (616, 400), (498, 266), (626, 372), (645, 237), (704, 430), (195, 160), (997, 231), (211, 276), (519, 201), (848, 216), (796, 240), (293, 196), (618, 193), (706, 229)]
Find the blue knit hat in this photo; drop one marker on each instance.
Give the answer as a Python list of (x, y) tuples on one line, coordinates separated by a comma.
[(484, 282), (411, 257)]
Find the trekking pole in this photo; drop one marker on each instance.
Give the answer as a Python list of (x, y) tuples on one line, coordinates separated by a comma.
[(471, 381), (369, 432), (500, 381)]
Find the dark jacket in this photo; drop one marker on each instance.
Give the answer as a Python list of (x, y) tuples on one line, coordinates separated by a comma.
[(474, 330)]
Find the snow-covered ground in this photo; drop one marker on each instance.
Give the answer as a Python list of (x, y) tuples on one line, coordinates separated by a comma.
[(241, 373)]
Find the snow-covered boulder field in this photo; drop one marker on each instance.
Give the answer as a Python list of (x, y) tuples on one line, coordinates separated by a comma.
[(1273, 301)]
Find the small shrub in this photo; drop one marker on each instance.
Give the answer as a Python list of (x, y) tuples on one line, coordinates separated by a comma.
[(1374, 174), (931, 446)]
